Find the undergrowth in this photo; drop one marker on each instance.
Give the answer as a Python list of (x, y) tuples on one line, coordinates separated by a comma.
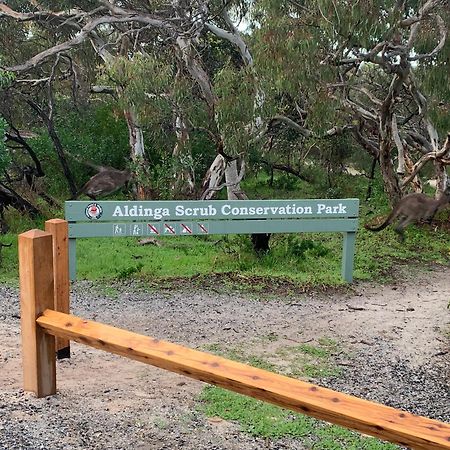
[(300, 260)]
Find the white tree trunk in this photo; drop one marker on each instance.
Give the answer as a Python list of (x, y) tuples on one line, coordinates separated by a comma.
[(136, 138), (197, 72), (236, 39), (141, 190), (213, 178), (234, 172)]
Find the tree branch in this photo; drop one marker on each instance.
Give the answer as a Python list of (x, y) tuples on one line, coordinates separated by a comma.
[(439, 46), (440, 155), (84, 34)]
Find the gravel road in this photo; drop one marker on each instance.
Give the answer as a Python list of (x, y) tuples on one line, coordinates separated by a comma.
[(392, 341)]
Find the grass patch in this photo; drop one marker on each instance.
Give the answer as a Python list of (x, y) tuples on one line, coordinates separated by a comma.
[(238, 354), (9, 263), (265, 420), (298, 361), (108, 258), (255, 417), (262, 419), (312, 361), (108, 291)]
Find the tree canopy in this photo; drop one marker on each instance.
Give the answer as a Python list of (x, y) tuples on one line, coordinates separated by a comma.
[(207, 91)]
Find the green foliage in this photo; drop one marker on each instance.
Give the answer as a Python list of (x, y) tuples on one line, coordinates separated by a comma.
[(5, 157), (288, 56), (94, 134), (299, 247), (236, 91), (363, 26), (6, 78), (137, 78), (127, 272)]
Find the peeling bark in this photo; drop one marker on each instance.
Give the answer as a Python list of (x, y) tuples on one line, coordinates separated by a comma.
[(234, 173), (213, 178), (136, 138)]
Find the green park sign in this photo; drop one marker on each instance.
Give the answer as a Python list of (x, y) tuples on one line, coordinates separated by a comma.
[(183, 218)]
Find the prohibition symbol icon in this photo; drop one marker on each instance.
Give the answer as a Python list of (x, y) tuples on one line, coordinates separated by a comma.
[(203, 228), (153, 229), (185, 229), (169, 229)]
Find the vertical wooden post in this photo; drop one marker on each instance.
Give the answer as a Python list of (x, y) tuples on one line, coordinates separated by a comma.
[(36, 295), (348, 256), (59, 230)]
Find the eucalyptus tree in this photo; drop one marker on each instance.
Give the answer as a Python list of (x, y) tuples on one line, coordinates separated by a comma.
[(130, 35), (376, 69), (380, 82)]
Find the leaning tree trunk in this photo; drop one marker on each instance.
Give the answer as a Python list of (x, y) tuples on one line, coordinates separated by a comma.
[(62, 157), (137, 154), (136, 138), (390, 180), (213, 178), (386, 132), (8, 197), (57, 144), (234, 173)]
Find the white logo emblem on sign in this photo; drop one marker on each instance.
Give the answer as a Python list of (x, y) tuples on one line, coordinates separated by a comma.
[(93, 211)]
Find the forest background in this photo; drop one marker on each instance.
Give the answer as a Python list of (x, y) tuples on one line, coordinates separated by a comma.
[(226, 99)]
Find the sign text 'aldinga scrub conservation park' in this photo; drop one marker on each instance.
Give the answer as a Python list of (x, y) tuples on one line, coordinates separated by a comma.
[(200, 217)]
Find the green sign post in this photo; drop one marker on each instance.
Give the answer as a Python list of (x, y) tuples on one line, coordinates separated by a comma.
[(186, 218)]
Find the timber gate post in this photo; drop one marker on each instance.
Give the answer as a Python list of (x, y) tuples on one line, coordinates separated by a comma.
[(36, 295), (59, 229)]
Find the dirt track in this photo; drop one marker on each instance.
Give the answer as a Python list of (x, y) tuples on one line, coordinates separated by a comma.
[(392, 340)]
